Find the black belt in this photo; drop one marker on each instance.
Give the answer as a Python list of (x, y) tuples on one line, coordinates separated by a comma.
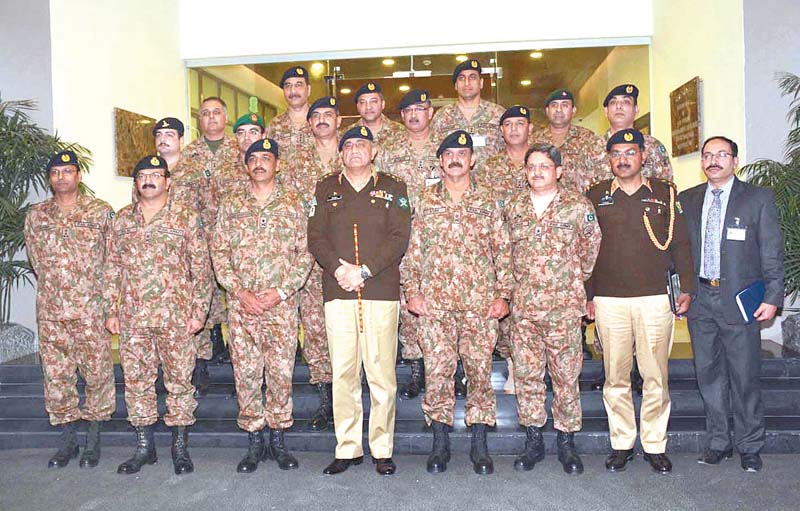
[(709, 282)]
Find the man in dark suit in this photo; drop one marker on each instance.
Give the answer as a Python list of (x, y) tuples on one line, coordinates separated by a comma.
[(736, 241)]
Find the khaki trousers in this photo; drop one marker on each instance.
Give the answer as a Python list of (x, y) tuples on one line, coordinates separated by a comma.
[(643, 323), (376, 348)]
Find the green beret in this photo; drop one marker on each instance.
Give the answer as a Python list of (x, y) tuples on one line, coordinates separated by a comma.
[(559, 94), (249, 118)]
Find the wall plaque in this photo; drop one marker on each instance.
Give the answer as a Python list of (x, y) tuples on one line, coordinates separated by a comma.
[(133, 139), (684, 107)]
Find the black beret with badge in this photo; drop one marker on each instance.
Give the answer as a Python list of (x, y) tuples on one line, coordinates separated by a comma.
[(626, 136), (456, 140), (515, 111), (361, 132), (626, 89), (368, 88), (414, 97), (323, 102), (169, 123), (151, 162), (467, 65), (557, 95), (294, 72), (63, 158), (266, 145)]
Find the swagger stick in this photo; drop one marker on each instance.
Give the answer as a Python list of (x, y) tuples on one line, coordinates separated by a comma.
[(358, 263)]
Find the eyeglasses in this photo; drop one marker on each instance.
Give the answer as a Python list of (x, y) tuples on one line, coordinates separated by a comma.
[(630, 153), (722, 155), (145, 177), (415, 110), (67, 172)]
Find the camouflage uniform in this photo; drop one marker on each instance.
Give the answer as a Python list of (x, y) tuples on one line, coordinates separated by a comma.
[(459, 260), (282, 130), (304, 172), (418, 171), (158, 277), (67, 252), (213, 175), (390, 130), (657, 163), (485, 122), (583, 157), (551, 258), (257, 247)]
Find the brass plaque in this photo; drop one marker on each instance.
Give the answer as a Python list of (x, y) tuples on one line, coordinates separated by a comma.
[(684, 107), (133, 139)]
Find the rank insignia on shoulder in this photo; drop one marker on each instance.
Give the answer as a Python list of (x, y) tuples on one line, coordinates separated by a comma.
[(207, 173), (402, 203), (110, 215), (590, 217), (678, 207)]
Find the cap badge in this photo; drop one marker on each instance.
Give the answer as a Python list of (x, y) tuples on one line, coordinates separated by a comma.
[(629, 89), (254, 117), (522, 110), (474, 64), (423, 97), (266, 144), (462, 139), (363, 131), (628, 137), (332, 101), (65, 158), (154, 160), (300, 71), (164, 123), (371, 86)]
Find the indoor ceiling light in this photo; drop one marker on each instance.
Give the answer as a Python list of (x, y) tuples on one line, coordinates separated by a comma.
[(461, 58), (345, 91), (317, 67), (404, 88), (388, 62), (525, 83), (536, 54)]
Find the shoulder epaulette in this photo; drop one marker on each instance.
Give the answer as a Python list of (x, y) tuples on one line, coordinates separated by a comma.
[(326, 176), (665, 181), (393, 176)]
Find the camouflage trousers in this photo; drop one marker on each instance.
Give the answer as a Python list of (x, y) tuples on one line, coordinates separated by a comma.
[(504, 338), (259, 346), (81, 344), (216, 315), (140, 352), (556, 345), (409, 332), (315, 338), (446, 335)]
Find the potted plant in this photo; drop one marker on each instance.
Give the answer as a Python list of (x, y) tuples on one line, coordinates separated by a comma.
[(26, 150), (784, 179)]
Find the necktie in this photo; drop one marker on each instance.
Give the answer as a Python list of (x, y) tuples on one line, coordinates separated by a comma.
[(711, 243)]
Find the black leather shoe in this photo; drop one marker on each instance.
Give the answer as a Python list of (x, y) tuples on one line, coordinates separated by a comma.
[(751, 462), (713, 457), (323, 417), (617, 461), (181, 461), (384, 466), (255, 453), (567, 454), (340, 465), (145, 453), (482, 463), (91, 453), (416, 383), (440, 453), (276, 450), (659, 462), (69, 447), (534, 450)]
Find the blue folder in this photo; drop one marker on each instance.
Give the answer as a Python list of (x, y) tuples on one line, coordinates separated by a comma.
[(749, 299)]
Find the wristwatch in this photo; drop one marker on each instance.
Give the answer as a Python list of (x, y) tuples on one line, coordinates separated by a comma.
[(365, 273)]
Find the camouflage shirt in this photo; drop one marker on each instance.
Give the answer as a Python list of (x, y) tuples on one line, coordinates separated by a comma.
[(657, 164), (67, 252), (306, 168), (500, 172), (212, 173), (158, 273), (258, 246), (485, 123), (418, 170), (289, 137), (459, 256), (583, 157), (552, 255)]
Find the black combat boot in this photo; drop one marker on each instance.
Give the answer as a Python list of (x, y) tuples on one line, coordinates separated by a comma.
[(534, 449), (416, 383), (324, 414), (91, 453), (219, 350), (567, 454), (276, 450), (180, 451), (440, 453), (255, 453), (145, 452), (201, 379), (69, 447), (482, 463), (460, 381)]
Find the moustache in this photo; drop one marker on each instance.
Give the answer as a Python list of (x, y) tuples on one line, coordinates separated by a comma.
[(321, 124), (148, 185), (455, 165), (624, 166), (294, 96), (261, 169), (710, 167)]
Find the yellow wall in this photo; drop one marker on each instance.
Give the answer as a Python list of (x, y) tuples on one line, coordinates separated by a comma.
[(113, 54), (625, 64), (704, 39)]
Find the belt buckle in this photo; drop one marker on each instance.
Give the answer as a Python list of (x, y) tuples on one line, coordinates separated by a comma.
[(714, 283)]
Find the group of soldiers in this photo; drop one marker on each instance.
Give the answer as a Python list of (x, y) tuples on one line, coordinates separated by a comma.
[(505, 235)]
